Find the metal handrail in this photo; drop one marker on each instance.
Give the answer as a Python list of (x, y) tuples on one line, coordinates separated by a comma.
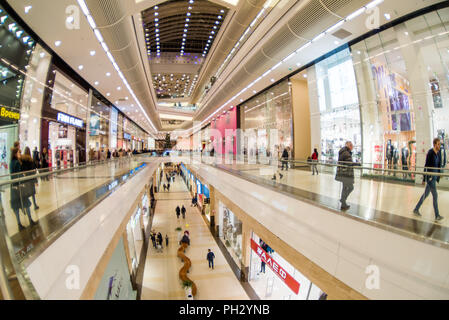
[(358, 166), (40, 175)]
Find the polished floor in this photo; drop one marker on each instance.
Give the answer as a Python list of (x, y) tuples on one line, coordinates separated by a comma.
[(60, 190), (383, 196), (160, 280)]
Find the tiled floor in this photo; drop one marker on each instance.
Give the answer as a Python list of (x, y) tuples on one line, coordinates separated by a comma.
[(161, 281)]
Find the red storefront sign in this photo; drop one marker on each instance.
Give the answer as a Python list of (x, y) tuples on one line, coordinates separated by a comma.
[(282, 274)]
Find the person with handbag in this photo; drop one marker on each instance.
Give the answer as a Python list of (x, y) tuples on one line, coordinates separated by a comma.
[(18, 190), (29, 168)]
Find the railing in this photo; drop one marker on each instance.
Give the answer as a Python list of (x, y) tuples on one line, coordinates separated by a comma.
[(47, 202), (382, 197)]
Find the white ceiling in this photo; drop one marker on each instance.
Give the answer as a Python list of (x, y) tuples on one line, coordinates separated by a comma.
[(47, 18)]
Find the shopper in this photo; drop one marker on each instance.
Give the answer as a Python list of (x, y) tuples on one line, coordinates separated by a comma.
[(210, 258), (433, 163), (109, 154), (36, 158), (44, 163), (178, 212), (183, 211), (153, 239), (314, 162), (262, 267), (19, 200), (285, 159), (165, 187), (345, 173), (168, 187), (159, 238), (29, 168), (166, 240)]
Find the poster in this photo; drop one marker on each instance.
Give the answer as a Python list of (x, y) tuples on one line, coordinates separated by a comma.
[(115, 283)]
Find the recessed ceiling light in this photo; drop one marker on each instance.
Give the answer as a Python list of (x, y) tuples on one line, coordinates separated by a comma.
[(108, 94), (119, 88), (108, 74), (92, 53), (387, 16), (28, 8), (58, 43), (81, 67), (97, 83)]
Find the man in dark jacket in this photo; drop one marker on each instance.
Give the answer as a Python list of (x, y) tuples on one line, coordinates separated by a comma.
[(433, 163), (284, 159), (345, 173), (210, 259), (178, 211)]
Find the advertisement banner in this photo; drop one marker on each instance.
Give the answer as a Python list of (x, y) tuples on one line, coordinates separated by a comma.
[(113, 128), (281, 273)]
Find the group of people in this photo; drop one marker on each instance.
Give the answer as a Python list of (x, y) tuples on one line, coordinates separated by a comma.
[(170, 176), (180, 211), (157, 240), (345, 174), (24, 165)]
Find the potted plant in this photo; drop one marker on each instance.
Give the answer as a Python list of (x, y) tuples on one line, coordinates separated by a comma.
[(179, 230), (187, 285)]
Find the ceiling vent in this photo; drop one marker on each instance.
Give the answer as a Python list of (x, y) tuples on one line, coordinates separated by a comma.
[(342, 34)]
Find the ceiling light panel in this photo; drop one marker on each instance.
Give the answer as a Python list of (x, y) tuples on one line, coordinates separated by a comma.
[(180, 32)]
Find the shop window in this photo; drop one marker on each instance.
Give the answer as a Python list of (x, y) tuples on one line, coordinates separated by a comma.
[(339, 106)]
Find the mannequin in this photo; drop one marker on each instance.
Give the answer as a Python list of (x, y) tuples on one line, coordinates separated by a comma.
[(389, 154), (404, 158), (395, 152)]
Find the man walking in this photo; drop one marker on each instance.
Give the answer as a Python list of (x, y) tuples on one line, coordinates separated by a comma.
[(166, 240), (433, 163), (210, 259), (178, 212), (153, 239), (284, 159), (345, 173), (183, 211)]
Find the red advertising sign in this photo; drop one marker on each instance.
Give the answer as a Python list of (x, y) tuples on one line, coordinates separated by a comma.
[(282, 274)]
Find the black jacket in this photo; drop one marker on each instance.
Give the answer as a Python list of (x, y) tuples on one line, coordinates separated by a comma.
[(345, 172), (285, 154), (433, 160), (210, 256)]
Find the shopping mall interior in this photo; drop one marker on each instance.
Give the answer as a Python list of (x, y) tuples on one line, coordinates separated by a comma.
[(224, 150)]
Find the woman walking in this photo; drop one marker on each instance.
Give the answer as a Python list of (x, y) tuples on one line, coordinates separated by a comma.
[(29, 168), (19, 201)]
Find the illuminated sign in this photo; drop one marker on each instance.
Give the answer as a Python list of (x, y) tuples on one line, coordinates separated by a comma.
[(280, 272), (4, 113), (65, 118), (126, 136)]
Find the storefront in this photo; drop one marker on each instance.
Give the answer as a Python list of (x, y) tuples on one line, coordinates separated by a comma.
[(113, 129), (230, 232), (20, 95), (135, 231), (404, 69), (338, 104), (64, 121), (99, 123), (267, 122), (274, 278)]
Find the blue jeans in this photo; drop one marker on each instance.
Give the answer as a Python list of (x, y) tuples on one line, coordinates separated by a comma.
[(431, 187), (211, 263)]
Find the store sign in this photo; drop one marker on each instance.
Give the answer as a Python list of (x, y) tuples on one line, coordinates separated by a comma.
[(265, 257), (65, 118), (4, 113), (126, 136)]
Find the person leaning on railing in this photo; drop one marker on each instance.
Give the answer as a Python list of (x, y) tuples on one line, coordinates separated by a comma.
[(19, 199), (345, 173)]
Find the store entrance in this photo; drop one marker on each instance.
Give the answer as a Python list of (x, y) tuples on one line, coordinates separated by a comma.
[(8, 135)]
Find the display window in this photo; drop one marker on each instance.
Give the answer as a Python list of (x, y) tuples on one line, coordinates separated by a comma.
[(230, 232), (135, 238), (274, 278), (404, 69), (270, 110), (99, 125), (62, 145), (339, 106)]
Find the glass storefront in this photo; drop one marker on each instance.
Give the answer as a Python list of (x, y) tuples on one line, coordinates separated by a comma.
[(135, 238), (339, 106), (273, 278), (66, 134), (269, 110), (99, 125), (230, 232), (402, 76)]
